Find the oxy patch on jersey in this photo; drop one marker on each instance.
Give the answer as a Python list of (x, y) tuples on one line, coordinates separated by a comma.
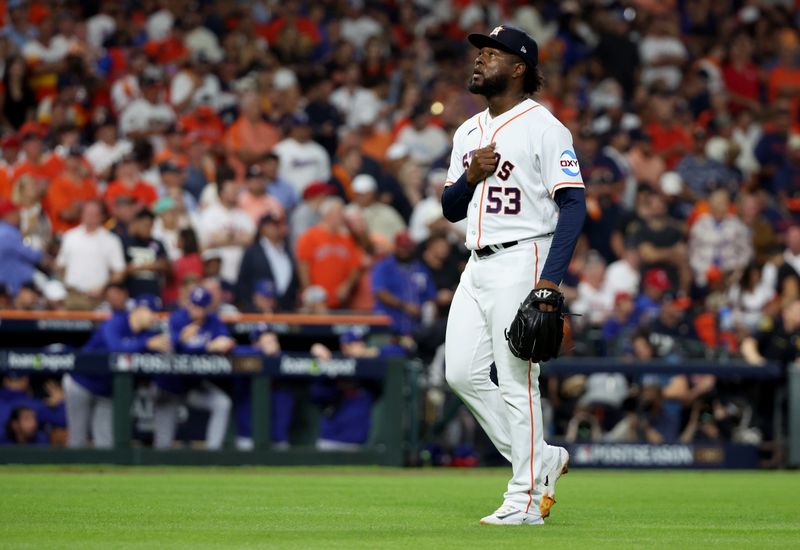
[(569, 163)]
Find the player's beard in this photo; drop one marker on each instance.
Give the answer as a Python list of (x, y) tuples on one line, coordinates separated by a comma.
[(490, 87)]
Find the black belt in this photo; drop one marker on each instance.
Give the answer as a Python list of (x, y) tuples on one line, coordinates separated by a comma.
[(487, 251)]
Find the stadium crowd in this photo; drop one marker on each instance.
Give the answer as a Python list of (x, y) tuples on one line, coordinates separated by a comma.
[(290, 156)]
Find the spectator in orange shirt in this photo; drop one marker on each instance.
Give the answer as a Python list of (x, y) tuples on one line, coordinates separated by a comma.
[(784, 78), (250, 136), (33, 161), (670, 139), (328, 257), (255, 200), (68, 191), (203, 124), (129, 183)]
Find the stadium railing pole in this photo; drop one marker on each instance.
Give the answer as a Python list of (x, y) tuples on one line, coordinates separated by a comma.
[(392, 425), (793, 375), (261, 388), (123, 396)]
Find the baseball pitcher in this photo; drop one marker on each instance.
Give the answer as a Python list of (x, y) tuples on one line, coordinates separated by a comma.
[(514, 176)]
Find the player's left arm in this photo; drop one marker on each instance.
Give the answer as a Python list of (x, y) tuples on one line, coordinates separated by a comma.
[(571, 202), (562, 178)]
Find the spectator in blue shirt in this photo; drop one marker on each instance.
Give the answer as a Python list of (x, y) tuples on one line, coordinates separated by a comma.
[(402, 286), (193, 329), (276, 187), (770, 150), (18, 260), (88, 396)]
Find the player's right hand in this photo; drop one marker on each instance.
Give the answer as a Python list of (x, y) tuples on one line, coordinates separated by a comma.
[(482, 165)]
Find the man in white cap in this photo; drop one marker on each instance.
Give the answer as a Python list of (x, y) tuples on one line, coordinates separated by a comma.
[(381, 219)]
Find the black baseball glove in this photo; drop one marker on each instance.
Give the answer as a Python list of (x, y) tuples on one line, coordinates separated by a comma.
[(535, 334)]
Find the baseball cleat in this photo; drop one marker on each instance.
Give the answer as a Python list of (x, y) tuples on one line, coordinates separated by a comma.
[(549, 493), (508, 515)]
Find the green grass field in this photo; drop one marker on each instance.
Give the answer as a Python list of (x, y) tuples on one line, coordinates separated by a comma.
[(90, 507)]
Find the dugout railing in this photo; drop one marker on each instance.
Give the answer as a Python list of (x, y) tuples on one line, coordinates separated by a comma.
[(392, 422)]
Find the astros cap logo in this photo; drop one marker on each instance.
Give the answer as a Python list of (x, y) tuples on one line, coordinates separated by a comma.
[(496, 30)]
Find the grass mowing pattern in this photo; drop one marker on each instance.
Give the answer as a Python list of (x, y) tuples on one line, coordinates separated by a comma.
[(52, 507)]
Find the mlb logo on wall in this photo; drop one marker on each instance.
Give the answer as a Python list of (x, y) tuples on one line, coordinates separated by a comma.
[(569, 163)]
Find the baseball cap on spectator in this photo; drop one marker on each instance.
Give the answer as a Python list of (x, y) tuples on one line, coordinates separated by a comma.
[(212, 254), (670, 183), (169, 167), (318, 189), (300, 118), (123, 200), (509, 39), (11, 141), (676, 300), (364, 183), (54, 291), (75, 151), (254, 171), (7, 207), (265, 288), (269, 217), (283, 79), (164, 204), (404, 241), (657, 278), (200, 297), (150, 301), (355, 334), (31, 130)]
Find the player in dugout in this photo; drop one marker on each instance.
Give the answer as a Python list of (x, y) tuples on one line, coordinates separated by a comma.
[(196, 328), (88, 396)]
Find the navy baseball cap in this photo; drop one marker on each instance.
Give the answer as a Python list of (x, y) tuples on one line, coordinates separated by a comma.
[(200, 297), (509, 39), (265, 288), (355, 334), (150, 301)]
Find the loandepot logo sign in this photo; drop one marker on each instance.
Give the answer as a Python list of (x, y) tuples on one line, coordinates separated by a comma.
[(305, 366), (569, 163), (40, 361), (172, 364)]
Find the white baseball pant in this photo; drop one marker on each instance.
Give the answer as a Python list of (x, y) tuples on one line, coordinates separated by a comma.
[(85, 410), (485, 303), (207, 397)]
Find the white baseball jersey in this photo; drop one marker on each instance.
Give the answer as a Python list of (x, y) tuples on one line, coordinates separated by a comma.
[(535, 158)]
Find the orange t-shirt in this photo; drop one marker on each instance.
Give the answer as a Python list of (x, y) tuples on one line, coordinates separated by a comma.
[(142, 193), (376, 144), (44, 171), (209, 129), (62, 194), (330, 258), (667, 138), (258, 137)]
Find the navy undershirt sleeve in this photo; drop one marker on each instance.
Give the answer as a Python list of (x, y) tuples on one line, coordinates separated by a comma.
[(455, 199), (572, 204)]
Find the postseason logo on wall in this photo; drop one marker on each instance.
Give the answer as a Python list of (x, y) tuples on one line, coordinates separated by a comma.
[(147, 363)]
